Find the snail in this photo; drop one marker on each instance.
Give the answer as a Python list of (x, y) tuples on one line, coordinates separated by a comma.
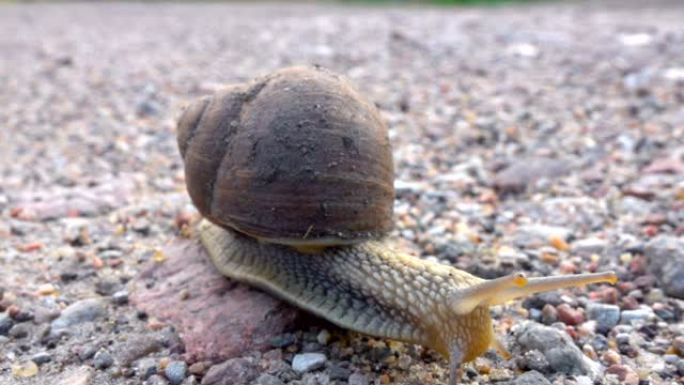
[(293, 174)]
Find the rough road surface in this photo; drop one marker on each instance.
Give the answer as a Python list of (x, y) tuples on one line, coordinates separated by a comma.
[(546, 139)]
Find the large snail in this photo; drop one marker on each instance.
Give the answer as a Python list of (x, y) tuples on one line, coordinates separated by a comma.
[(294, 173)]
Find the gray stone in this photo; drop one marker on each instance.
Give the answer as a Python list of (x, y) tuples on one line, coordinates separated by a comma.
[(41, 358), (556, 346), (267, 379), (86, 310), (156, 380), (19, 331), (102, 360), (589, 246), (358, 379), (606, 316), (81, 376), (176, 371), (533, 360), (136, 347), (666, 261), (236, 371), (524, 172), (643, 314), (146, 367), (528, 378), (307, 362), (539, 234), (120, 297), (6, 324)]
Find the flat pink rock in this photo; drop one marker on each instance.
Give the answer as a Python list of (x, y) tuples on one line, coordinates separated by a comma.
[(216, 318)]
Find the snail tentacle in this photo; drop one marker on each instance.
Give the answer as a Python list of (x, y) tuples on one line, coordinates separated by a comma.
[(464, 301), (542, 284)]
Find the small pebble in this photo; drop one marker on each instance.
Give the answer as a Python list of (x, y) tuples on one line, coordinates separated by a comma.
[(19, 331), (146, 367), (529, 378), (323, 337), (307, 362), (568, 315), (643, 314), (6, 324), (267, 379), (678, 345), (283, 340), (120, 297), (549, 314), (156, 380), (611, 357), (41, 358), (24, 369), (78, 312), (102, 360), (606, 316), (176, 371), (358, 379)]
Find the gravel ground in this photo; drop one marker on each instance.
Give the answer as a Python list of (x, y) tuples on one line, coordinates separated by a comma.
[(547, 139)]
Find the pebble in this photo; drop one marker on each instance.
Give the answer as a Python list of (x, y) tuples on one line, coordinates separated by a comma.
[(283, 340), (156, 379), (135, 348), (176, 371), (80, 376), (24, 369), (606, 316), (529, 378), (241, 371), (533, 360), (678, 345), (549, 314), (642, 314), (589, 246), (625, 374), (19, 331), (611, 357), (559, 350), (323, 337), (337, 372), (41, 358), (102, 360), (307, 362), (358, 379), (568, 315), (6, 324), (539, 235), (146, 367), (267, 379), (666, 261), (78, 312), (120, 297)]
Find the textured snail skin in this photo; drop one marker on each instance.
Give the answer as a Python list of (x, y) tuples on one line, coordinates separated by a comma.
[(369, 288)]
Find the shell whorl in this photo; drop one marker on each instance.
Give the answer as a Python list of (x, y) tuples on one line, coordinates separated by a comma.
[(296, 157)]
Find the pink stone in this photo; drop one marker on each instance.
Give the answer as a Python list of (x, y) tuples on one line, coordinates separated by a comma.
[(568, 315), (216, 318)]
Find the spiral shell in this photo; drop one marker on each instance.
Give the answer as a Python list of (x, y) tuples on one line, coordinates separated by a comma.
[(297, 157)]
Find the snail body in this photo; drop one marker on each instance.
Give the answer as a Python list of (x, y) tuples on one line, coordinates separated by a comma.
[(293, 173)]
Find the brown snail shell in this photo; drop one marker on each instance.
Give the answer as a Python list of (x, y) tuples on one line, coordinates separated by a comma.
[(297, 157)]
